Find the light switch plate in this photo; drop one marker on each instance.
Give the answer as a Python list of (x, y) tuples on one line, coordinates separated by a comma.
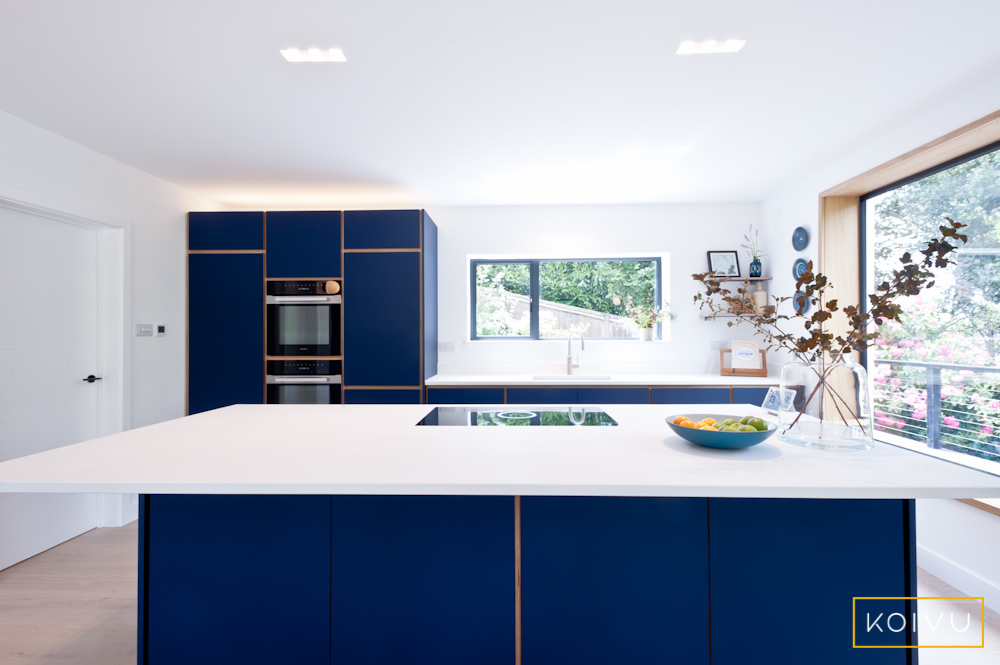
[(446, 347), (720, 345), (144, 330)]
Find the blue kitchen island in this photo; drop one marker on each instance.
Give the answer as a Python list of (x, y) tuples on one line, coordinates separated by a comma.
[(347, 534)]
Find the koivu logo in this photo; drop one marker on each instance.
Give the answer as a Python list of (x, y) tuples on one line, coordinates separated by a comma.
[(923, 621)]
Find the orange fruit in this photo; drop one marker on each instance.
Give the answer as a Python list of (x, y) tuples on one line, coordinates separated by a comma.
[(679, 419), (709, 428), (709, 421), (687, 423)]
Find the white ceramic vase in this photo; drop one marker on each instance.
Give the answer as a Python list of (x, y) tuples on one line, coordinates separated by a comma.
[(646, 334)]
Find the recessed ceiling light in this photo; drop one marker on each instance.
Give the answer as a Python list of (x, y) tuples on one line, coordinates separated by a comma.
[(711, 46), (313, 55)]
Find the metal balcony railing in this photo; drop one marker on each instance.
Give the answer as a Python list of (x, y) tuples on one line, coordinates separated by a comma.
[(945, 422)]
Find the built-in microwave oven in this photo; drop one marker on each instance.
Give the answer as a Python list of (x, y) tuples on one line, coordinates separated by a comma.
[(303, 318), (303, 382)]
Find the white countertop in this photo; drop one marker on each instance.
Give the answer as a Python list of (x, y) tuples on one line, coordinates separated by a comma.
[(616, 380), (362, 449)]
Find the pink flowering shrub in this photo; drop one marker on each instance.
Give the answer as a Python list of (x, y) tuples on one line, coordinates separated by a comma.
[(970, 400)]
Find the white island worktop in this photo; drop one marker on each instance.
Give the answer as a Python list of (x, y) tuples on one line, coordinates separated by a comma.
[(361, 449)]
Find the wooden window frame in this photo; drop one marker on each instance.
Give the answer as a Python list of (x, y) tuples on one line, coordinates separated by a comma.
[(840, 215)]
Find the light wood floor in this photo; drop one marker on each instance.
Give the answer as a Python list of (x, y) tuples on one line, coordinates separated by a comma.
[(76, 604)]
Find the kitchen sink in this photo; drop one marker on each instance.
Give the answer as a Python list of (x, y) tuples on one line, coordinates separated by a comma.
[(573, 377)]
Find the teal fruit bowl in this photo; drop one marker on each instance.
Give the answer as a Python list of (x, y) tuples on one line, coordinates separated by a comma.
[(730, 440)]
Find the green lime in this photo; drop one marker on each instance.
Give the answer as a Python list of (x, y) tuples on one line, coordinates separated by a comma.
[(730, 428), (747, 428), (729, 421), (746, 420), (758, 424)]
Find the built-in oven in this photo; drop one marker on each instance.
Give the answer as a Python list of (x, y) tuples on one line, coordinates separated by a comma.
[(303, 381), (303, 318)]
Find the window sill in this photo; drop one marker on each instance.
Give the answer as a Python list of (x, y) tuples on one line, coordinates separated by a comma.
[(986, 466), (991, 506)]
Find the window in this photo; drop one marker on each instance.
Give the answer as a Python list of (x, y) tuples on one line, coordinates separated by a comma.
[(935, 373), (588, 296)]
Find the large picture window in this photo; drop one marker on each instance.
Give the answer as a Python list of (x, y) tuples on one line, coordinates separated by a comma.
[(552, 298), (936, 374)]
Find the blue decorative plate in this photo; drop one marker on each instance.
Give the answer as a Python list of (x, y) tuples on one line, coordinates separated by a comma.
[(800, 238), (799, 268), (729, 440), (801, 302)]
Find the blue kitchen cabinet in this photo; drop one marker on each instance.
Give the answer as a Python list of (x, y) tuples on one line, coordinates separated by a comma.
[(615, 580), (235, 579), (226, 230), (613, 395), (749, 395), (691, 395), (428, 580), (519, 395), (303, 244), (465, 396), (382, 323), (784, 572), (382, 229), (390, 298), (384, 396), (225, 330)]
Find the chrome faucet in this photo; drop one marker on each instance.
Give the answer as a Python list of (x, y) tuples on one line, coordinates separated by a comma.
[(569, 352)]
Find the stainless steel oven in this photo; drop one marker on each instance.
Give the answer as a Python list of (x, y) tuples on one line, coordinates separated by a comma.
[(303, 318), (303, 381)]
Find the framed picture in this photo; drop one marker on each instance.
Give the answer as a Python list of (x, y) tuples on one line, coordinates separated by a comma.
[(724, 264)]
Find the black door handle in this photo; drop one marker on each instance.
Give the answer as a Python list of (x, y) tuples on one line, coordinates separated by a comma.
[(92, 378)]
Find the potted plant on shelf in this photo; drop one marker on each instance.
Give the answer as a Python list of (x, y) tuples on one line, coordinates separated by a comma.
[(832, 405), (752, 247), (646, 318)]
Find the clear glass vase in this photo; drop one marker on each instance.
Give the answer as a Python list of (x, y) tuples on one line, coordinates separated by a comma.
[(831, 409)]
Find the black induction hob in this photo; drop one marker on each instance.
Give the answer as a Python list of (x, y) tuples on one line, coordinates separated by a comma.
[(517, 416)]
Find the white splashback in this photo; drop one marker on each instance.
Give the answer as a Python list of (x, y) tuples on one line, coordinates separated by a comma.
[(681, 233)]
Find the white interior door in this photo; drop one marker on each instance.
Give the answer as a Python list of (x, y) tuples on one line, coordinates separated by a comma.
[(48, 345)]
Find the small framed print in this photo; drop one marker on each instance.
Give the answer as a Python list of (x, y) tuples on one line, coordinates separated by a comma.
[(779, 400), (724, 264), (746, 354)]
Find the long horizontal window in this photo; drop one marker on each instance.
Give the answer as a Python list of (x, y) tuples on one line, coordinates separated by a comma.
[(552, 298), (936, 372)]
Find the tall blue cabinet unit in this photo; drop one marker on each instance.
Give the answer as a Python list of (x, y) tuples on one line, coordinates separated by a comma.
[(225, 310), (386, 263), (390, 303)]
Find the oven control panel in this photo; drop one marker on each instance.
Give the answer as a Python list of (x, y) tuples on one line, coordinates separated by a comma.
[(303, 367), (323, 287)]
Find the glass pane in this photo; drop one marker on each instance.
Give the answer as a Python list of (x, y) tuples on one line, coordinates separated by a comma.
[(502, 302), (304, 325), (935, 372), (304, 394), (590, 296)]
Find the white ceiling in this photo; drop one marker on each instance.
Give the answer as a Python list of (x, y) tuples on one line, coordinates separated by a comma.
[(484, 102)]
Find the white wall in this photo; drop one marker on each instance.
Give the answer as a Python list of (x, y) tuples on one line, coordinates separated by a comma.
[(41, 168), (950, 530), (684, 232), (959, 543)]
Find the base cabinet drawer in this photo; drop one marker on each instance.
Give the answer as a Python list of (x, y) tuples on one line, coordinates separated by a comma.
[(382, 396), (613, 396), (465, 395), (520, 395), (749, 395), (691, 396)]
